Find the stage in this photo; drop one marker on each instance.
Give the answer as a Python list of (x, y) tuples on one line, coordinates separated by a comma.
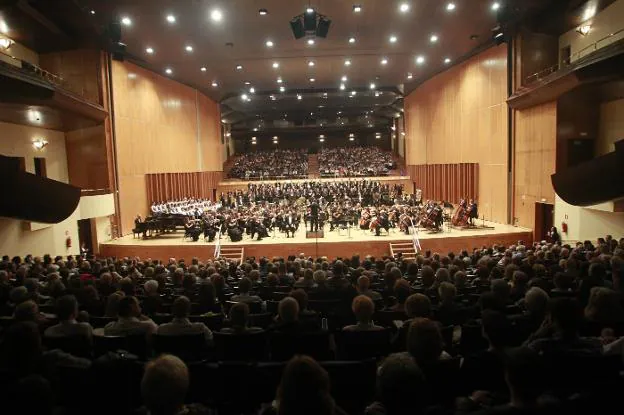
[(341, 243)]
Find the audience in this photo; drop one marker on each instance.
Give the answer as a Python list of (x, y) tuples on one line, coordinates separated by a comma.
[(271, 164), (363, 309), (130, 320), (355, 162), (181, 325)]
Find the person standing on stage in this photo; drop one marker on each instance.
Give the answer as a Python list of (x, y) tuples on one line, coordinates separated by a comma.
[(314, 214)]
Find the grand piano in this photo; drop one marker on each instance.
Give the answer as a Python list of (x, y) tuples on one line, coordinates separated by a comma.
[(158, 225)]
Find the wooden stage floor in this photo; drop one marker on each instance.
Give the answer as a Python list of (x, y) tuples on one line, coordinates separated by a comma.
[(335, 244)]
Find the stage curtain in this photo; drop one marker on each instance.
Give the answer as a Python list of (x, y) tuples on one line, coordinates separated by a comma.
[(448, 182), (168, 186)]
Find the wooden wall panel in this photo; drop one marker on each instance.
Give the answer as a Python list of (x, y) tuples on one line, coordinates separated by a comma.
[(210, 134), (447, 182), (168, 186), (156, 131), (80, 70), (460, 116), (87, 158), (534, 160)]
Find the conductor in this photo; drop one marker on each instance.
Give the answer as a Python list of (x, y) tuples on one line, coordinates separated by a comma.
[(314, 214)]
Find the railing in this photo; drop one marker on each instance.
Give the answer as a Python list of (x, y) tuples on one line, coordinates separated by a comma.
[(575, 56), (94, 192), (37, 70)]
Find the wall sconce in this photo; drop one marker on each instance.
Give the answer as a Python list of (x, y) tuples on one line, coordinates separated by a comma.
[(584, 29), (5, 43), (40, 143)]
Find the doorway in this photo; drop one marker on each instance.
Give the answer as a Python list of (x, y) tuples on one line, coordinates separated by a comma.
[(85, 236), (544, 219)]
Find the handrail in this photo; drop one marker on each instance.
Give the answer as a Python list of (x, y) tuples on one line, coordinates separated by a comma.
[(577, 55)]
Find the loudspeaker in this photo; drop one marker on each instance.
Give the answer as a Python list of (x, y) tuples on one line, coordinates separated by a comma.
[(297, 28), (323, 27), (312, 235), (114, 32), (118, 51), (309, 21)]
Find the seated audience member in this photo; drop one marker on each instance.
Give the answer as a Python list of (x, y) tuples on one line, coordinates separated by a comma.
[(363, 308), (239, 320), (535, 308), (164, 386), (22, 353), (67, 311), (302, 299), (520, 285), (363, 288), (304, 390), (307, 281), (399, 382), (288, 318), (112, 304), (338, 281), (152, 303), (401, 293), (244, 287), (424, 342), (449, 313), (181, 325), (560, 332), (604, 308), (207, 298), (28, 311), (130, 320), (418, 305), (502, 291)]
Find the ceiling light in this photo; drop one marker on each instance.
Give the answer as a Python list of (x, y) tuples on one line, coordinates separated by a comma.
[(353, 93), (247, 83), (239, 67), (420, 60), (244, 97), (275, 65), (309, 10), (351, 135), (189, 48), (357, 8), (311, 63), (215, 84), (322, 140), (5, 43), (171, 18), (372, 86), (325, 94), (269, 43), (299, 97), (216, 15), (40, 143), (384, 61), (252, 90), (351, 39), (4, 28), (344, 78), (376, 93), (312, 79), (255, 129), (393, 39), (149, 50), (253, 138), (495, 6), (310, 42), (275, 137), (347, 62), (272, 97), (322, 136), (253, 142), (168, 71), (263, 12), (342, 87), (433, 38), (351, 139), (126, 21), (404, 7), (92, 11), (450, 7), (282, 89), (584, 30), (447, 60), (409, 75), (589, 12), (203, 69), (279, 80)]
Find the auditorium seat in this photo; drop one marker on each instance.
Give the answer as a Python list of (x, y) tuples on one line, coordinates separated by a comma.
[(135, 344), (240, 347), (263, 320), (361, 345), (76, 345), (188, 347), (214, 322), (387, 318), (283, 346)]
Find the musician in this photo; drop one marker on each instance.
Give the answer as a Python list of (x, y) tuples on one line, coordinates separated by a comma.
[(192, 229), (289, 224), (314, 216), (474, 211), (336, 219), (210, 228)]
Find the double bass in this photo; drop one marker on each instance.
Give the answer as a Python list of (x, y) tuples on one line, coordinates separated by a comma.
[(462, 214)]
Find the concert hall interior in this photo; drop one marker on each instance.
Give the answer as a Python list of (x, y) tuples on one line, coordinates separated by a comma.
[(135, 134)]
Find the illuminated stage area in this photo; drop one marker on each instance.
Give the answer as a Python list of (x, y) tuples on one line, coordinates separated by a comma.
[(341, 243)]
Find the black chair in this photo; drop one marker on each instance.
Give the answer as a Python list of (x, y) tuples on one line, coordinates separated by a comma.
[(135, 344), (325, 307), (387, 318), (263, 320), (99, 322), (352, 383), (361, 345), (447, 336), (213, 322), (161, 318), (240, 347), (283, 346), (472, 339), (254, 308), (189, 347), (79, 346)]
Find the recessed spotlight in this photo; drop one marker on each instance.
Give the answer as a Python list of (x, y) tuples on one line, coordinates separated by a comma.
[(279, 80), (342, 87), (384, 61), (269, 43), (322, 140), (351, 39), (203, 69), (244, 97), (149, 50), (272, 97), (404, 7), (376, 94), (92, 11), (351, 139), (447, 60), (420, 60), (263, 12), (253, 138), (255, 129), (275, 137), (322, 136), (495, 6), (310, 42), (239, 67), (393, 39), (126, 21), (312, 79), (347, 62), (275, 65), (252, 90), (353, 93), (299, 97), (282, 89), (410, 76), (433, 38), (132, 76), (450, 7), (247, 83), (357, 8), (344, 78), (171, 18), (216, 15), (215, 84), (168, 71), (189, 48), (311, 63), (309, 10), (372, 85), (351, 135)]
